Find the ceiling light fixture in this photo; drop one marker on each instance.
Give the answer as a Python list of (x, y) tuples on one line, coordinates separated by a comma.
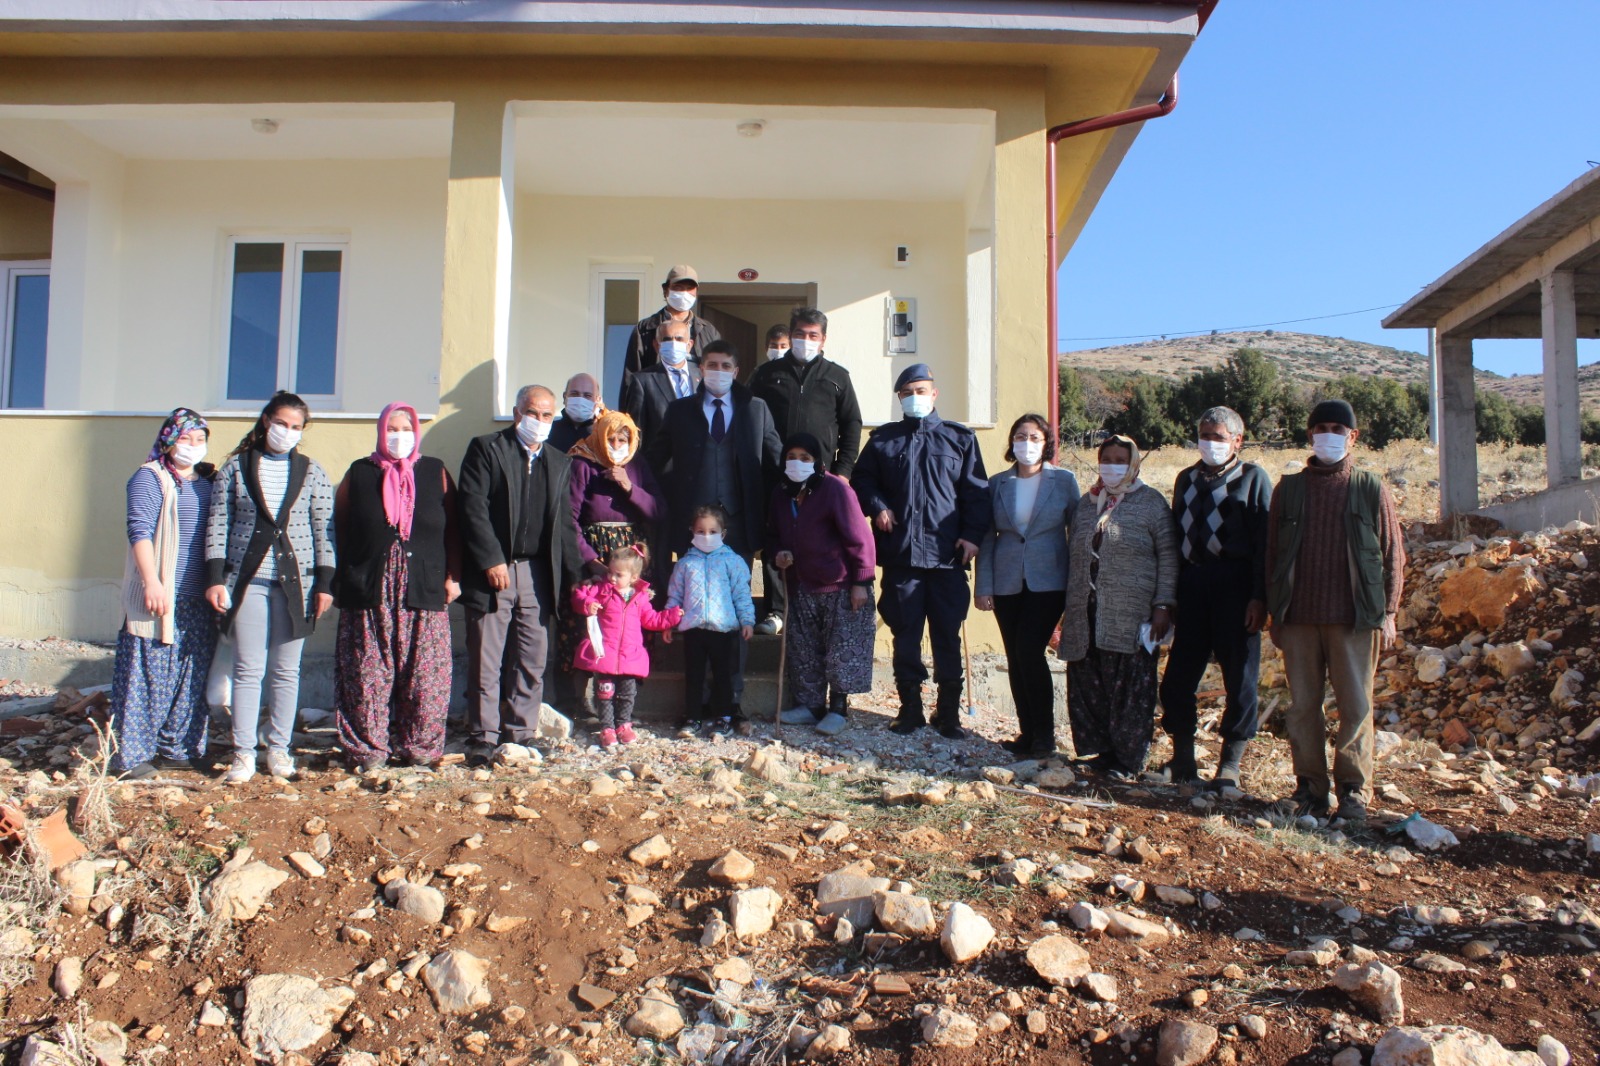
[(752, 128), (264, 125)]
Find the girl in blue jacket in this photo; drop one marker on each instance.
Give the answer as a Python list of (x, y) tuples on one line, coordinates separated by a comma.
[(711, 584)]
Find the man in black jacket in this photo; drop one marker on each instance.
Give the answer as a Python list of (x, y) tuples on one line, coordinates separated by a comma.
[(807, 393), (580, 402), (679, 292), (520, 560)]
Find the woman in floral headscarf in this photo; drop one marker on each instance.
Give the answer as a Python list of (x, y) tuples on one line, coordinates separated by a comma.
[(158, 693), (399, 561), (1124, 550), (615, 502)]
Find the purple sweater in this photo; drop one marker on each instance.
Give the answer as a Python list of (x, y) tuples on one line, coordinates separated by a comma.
[(597, 498), (828, 535)]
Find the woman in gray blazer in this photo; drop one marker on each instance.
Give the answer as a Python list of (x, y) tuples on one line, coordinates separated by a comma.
[(1022, 573), (1124, 547)]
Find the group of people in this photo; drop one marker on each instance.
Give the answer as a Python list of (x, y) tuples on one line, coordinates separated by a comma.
[(577, 532)]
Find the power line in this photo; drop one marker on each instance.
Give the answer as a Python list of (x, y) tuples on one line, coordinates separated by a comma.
[(1232, 329)]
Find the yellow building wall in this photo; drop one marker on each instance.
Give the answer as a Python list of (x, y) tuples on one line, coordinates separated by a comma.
[(24, 226), (175, 220), (844, 247)]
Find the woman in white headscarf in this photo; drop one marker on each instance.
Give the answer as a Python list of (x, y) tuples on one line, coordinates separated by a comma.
[(1124, 572)]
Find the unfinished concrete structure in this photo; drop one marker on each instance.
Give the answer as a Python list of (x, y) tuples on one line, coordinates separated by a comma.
[(1539, 278)]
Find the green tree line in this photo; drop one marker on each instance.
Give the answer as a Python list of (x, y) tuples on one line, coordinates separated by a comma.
[(1159, 413)]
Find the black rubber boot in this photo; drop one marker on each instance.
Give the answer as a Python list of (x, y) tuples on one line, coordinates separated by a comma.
[(1182, 769), (949, 711), (838, 702), (1227, 775), (911, 717)]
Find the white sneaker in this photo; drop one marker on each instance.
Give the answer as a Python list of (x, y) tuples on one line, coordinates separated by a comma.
[(771, 625), (798, 716), (242, 770), (280, 764)]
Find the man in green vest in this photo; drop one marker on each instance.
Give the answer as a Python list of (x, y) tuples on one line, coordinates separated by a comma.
[(1335, 566)]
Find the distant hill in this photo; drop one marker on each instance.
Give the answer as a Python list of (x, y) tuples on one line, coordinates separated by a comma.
[(1529, 388), (1300, 356)]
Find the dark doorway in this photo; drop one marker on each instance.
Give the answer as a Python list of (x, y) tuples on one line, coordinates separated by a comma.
[(743, 312)]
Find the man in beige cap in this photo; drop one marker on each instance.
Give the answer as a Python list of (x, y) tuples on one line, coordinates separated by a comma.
[(679, 291)]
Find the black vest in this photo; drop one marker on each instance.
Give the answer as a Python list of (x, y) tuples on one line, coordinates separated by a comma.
[(365, 535)]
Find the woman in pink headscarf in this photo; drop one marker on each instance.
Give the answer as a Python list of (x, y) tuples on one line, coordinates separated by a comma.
[(399, 559)]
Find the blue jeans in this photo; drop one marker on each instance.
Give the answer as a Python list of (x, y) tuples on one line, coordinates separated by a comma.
[(263, 652)]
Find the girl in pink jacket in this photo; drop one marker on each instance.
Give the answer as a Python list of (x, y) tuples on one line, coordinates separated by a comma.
[(620, 603)]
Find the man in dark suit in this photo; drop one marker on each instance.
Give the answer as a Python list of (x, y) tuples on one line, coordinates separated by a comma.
[(674, 377), (520, 548), (717, 446)]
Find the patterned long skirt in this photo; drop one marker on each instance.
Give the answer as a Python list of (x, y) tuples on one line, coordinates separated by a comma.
[(1111, 700), (393, 675), (829, 644), (573, 630), (158, 693)]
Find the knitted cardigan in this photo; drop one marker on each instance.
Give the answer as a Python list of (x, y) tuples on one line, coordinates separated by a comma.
[(1138, 571), (141, 623)]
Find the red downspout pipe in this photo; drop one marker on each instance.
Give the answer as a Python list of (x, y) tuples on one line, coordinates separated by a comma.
[(1054, 136)]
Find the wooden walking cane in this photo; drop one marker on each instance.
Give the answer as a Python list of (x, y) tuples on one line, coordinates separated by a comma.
[(783, 658), (966, 653)]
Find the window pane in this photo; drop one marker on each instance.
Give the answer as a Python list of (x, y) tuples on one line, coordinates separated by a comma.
[(318, 340), (30, 313), (621, 315), (253, 329)]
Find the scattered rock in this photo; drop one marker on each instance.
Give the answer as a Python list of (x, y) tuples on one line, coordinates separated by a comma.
[(1434, 963), (948, 1028), (1552, 1052), (503, 923), (1088, 917), (1140, 850), (1016, 872), (77, 882), (419, 901), (68, 977), (1184, 1043), (458, 981), (1483, 597), (1100, 986), (1059, 960), (766, 764), (1056, 777), (654, 1019), (1375, 987), (1138, 930), (651, 852), (752, 911), (849, 892), (596, 998), (241, 887), (737, 970), (1254, 1026), (105, 1042), (1180, 897), (833, 1040), (553, 725), (734, 868), (306, 864), (287, 1012), (904, 913), (966, 933), (212, 1015), (1445, 1045)]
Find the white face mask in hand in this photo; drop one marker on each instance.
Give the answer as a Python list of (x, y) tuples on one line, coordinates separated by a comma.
[(1329, 447), (400, 443), (708, 542), (1028, 452), (1111, 474), (1215, 452)]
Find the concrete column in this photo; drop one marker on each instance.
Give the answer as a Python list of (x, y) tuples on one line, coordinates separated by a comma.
[(475, 309), (1562, 431), (1458, 426)]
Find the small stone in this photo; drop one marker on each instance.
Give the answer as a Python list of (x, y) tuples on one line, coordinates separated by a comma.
[(1552, 1052), (904, 913), (737, 970), (1350, 1056), (1435, 963), (654, 1019), (1059, 960), (288, 1012), (999, 775), (1140, 850), (832, 1040), (714, 931), (596, 998), (1100, 986), (766, 764), (68, 977), (1088, 917), (1407, 1045), (107, 1044), (1475, 950), (947, 1028), (420, 901), (1138, 930), (997, 1022), (734, 868), (1195, 998), (1179, 897), (1131, 887), (460, 869), (1254, 1026), (752, 911), (1016, 872), (1375, 987), (652, 852), (306, 864), (503, 923), (212, 1015), (604, 787), (241, 887), (1184, 1043), (966, 933), (849, 892), (77, 882), (1036, 1022), (458, 981)]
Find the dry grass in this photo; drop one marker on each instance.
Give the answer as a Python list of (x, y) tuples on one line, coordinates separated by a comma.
[(95, 817), (29, 904)]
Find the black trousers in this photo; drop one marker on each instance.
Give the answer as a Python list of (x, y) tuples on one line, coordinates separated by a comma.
[(1212, 598), (918, 598), (1027, 619), (722, 656), (777, 593), (613, 699)]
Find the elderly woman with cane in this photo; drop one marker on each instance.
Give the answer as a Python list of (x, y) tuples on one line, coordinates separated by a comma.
[(1120, 590), (820, 541)]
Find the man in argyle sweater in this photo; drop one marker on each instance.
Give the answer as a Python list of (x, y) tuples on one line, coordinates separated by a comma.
[(1221, 505)]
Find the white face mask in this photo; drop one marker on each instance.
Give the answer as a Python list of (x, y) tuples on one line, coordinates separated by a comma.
[(1028, 452), (1111, 474), (708, 542), (1329, 447), (280, 439), (798, 470), (400, 443), (917, 405), (186, 455), (532, 430), (1215, 452), (580, 408), (618, 453), (717, 382), (776, 353), (680, 301), (674, 353), (805, 349)]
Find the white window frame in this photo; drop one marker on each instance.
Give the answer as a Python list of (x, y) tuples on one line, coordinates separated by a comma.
[(11, 270), (599, 274), (288, 313)]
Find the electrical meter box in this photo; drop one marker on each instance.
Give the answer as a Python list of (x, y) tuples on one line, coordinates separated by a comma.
[(902, 325)]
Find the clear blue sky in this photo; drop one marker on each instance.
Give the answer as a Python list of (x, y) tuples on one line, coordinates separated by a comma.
[(1327, 157)]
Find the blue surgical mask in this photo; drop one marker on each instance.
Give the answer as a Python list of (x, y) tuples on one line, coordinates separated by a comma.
[(674, 353), (917, 405)]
